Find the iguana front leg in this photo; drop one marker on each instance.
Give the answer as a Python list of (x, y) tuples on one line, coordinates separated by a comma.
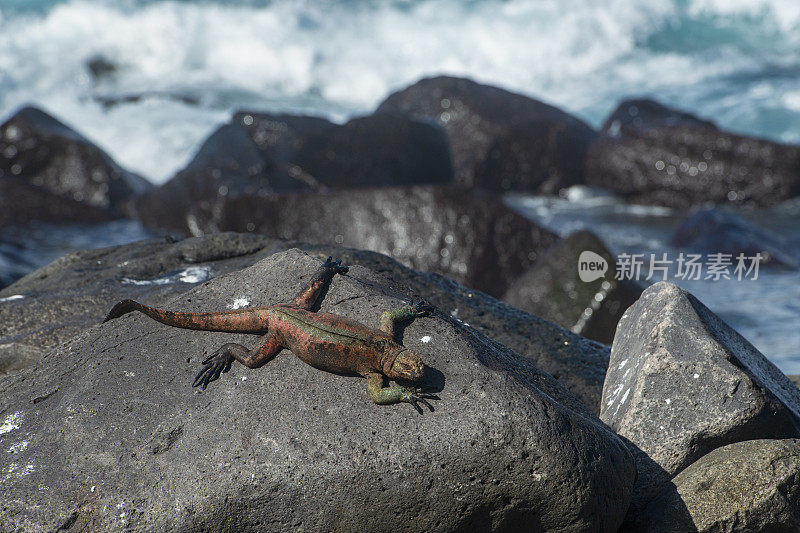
[(220, 361), (392, 321), (396, 394)]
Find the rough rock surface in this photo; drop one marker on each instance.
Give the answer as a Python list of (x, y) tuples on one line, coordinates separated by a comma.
[(743, 487), (258, 153), (681, 383), (690, 163), (55, 303), (47, 164), (15, 356), (472, 238), (499, 140), (105, 432), (553, 289), (719, 231)]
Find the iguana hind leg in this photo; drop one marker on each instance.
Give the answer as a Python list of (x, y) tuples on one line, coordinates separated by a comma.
[(307, 298), (220, 361)]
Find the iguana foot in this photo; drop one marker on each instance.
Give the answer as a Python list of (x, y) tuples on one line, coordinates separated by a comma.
[(421, 308), (415, 396), (214, 366), (337, 266)]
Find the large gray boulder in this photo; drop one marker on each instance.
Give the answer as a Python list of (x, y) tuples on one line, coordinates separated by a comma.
[(44, 162), (54, 303), (105, 432), (681, 383), (255, 154), (22, 202), (644, 113), (668, 157), (499, 140), (743, 487)]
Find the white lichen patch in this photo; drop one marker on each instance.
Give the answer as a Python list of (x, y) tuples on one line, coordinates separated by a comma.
[(14, 470), (11, 423), (624, 397), (238, 303), (18, 447), (12, 298), (667, 401), (614, 394), (426, 339)]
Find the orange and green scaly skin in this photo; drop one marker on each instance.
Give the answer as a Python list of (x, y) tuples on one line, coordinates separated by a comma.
[(329, 342)]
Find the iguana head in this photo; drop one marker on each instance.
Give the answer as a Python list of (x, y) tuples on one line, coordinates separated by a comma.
[(406, 365)]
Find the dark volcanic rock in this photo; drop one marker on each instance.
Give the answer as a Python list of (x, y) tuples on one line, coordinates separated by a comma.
[(375, 150), (681, 383), (743, 487), (22, 202), (55, 303), (690, 163), (63, 167), (553, 289), (472, 238), (257, 153), (719, 231), (637, 114), (499, 140), (105, 432), (101, 67)]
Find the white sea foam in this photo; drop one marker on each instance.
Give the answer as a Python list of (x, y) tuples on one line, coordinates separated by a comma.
[(709, 56), (189, 275)]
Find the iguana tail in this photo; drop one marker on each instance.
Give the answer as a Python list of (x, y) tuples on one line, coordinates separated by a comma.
[(123, 308), (238, 321)]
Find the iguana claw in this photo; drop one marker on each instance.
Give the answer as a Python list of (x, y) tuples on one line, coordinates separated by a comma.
[(414, 396), (213, 366), (421, 307), (336, 265)]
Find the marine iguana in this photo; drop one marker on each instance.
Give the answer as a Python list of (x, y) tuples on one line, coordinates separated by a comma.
[(323, 340)]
